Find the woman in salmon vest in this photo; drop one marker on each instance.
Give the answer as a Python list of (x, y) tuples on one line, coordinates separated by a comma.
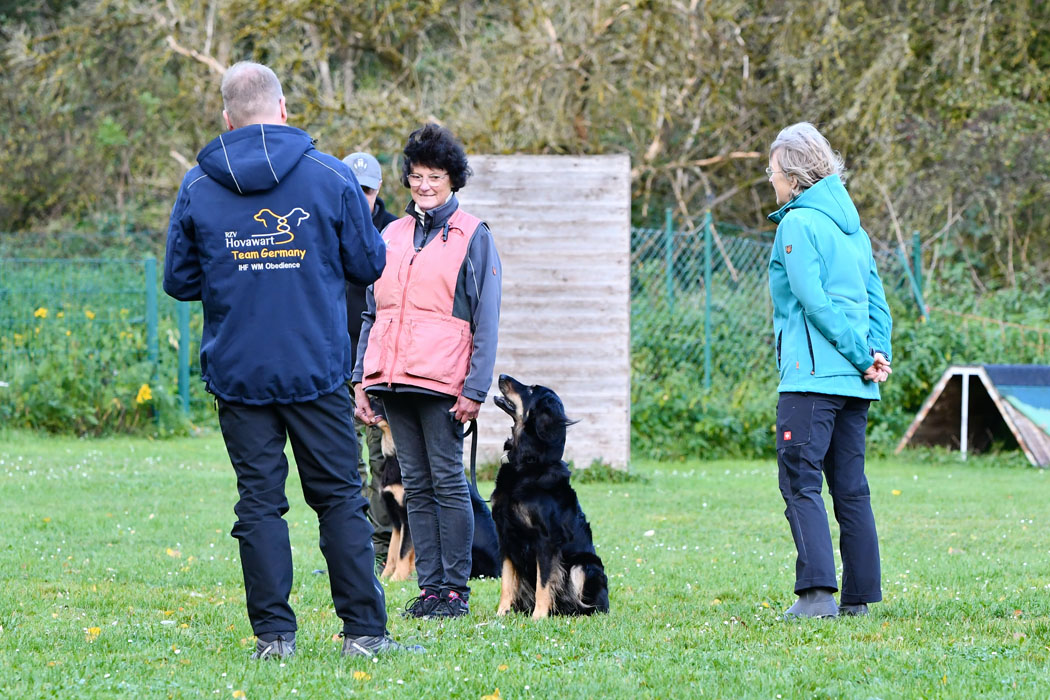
[(427, 350)]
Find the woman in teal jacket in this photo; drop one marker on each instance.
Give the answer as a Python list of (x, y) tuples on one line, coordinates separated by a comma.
[(832, 329)]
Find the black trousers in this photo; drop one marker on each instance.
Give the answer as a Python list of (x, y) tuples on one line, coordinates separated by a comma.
[(821, 436), (325, 446)]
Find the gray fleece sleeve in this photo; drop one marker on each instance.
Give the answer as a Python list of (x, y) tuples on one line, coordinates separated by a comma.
[(367, 319), (484, 287)]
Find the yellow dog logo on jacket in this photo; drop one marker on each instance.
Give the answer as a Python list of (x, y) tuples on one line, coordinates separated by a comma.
[(266, 216)]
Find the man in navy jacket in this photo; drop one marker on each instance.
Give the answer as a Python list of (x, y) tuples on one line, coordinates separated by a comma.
[(267, 232)]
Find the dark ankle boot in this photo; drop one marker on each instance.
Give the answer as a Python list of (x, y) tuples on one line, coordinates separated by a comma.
[(854, 609), (814, 602)]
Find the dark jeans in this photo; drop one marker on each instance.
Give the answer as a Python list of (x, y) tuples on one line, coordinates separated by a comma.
[(823, 436), (430, 449), (324, 443)]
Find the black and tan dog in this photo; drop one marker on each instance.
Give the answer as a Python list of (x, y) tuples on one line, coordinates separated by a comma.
[(401, 557), (549, 563)]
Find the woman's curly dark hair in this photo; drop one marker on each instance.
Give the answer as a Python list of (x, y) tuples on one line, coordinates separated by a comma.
[(434, 146)]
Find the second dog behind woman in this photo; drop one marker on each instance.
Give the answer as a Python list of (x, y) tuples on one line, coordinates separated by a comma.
[(428, 347)]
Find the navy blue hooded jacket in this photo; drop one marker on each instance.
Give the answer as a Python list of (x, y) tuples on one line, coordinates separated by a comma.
[(266, 232)]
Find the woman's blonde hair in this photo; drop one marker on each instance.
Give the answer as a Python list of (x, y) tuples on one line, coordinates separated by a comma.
[(804, 153)]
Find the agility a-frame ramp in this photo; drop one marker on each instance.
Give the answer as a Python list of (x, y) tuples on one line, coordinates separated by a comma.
[(972, 407)]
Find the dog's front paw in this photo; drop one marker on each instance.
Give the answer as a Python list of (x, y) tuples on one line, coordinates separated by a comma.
[(502, 610)]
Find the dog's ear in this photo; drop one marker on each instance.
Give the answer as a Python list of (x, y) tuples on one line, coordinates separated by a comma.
[(549, 419)]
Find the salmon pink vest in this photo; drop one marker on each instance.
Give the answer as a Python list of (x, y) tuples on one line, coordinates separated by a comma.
[(415, 339)]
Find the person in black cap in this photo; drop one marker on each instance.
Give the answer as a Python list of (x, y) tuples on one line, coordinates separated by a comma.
[(370, 176)]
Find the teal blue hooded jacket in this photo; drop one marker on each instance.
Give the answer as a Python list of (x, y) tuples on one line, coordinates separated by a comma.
[(829, 309)]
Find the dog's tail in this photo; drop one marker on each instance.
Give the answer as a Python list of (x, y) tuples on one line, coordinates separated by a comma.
[(594, 592), (596, 588)]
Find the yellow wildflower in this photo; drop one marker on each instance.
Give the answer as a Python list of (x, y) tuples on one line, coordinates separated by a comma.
[(144, 395), (93, 633), (60, 314), (361, 676), (89, 313), (494, 696), (41, 312)]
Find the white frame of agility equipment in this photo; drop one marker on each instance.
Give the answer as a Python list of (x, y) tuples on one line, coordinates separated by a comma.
[(1032, 440)]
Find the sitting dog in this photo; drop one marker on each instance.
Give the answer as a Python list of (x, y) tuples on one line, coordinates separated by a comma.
[(549, 563), (401, 557)]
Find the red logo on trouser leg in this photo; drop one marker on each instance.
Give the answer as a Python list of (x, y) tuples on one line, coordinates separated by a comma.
[(787, 435)]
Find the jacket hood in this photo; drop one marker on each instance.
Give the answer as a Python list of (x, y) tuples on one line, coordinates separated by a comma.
[(829, 197), (254, 158)]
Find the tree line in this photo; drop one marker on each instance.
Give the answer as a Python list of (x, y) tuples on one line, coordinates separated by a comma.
[(939, 107)]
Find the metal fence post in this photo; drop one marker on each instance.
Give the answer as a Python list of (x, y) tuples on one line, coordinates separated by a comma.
[(183, 313), (916, 258), (708, 223), (669, 255), (916, 287), (151, 312)]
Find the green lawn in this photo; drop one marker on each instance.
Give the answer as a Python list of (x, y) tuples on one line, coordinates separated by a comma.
[(120, 578)]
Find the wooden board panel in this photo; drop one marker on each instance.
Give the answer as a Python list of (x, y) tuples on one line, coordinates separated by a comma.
[(562, 227)]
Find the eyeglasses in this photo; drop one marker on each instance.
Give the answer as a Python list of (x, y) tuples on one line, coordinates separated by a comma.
[(415, 179), (770, 171)]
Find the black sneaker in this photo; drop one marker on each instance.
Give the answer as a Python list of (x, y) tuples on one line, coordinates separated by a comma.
[(422, 606), (279, 648), (854, 609), (372, 646), (452, 605)]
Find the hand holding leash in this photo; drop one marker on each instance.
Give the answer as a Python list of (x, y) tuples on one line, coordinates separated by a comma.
[(465, 409), (363, 407)]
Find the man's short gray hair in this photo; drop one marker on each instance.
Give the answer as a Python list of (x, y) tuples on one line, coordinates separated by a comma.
[(804, 153), (250, 91)]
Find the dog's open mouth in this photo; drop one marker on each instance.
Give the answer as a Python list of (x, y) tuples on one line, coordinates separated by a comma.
[(505, 403)]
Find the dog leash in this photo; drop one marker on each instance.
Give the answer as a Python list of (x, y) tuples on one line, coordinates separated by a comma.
[(472, 430)]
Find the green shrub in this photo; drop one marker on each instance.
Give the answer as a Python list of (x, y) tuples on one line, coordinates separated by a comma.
[(673, 417), (74, 355)]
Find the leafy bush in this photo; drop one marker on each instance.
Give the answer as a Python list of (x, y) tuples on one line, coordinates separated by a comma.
[(73, 351)]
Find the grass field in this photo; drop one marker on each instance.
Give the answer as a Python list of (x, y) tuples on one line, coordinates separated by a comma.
[(120, 579)]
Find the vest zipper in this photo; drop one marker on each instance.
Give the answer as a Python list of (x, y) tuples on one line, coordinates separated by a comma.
[(401, 320), (404, 296)]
